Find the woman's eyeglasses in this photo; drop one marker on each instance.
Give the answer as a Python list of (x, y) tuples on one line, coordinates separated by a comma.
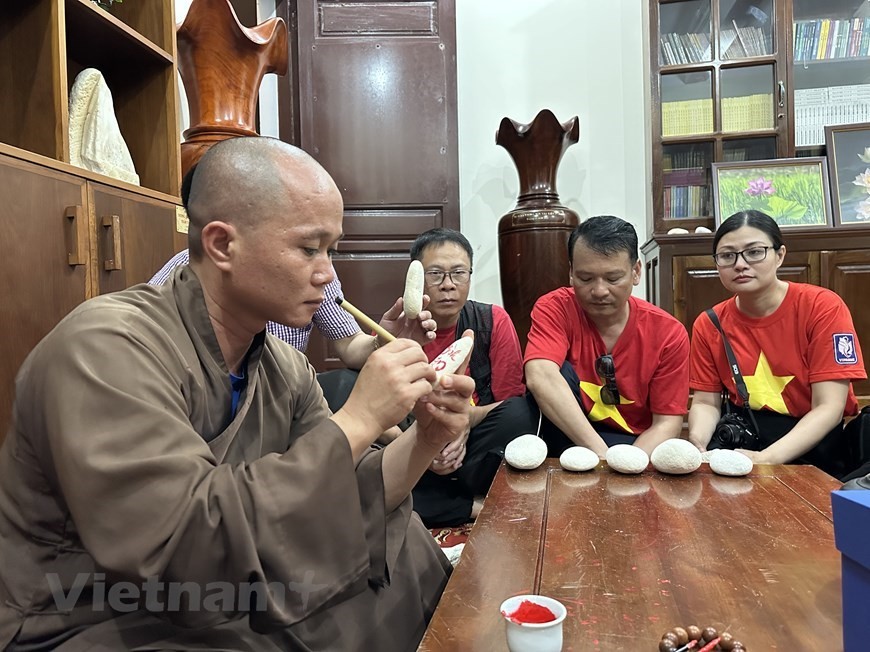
[(606, 370), (751, 255)]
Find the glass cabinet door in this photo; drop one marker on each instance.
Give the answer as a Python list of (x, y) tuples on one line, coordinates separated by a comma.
[(684, 32), (686, 180), (745, 28), (687, 103), (831, 46)]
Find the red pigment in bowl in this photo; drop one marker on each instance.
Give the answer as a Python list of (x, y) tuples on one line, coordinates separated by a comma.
[(530, 612)]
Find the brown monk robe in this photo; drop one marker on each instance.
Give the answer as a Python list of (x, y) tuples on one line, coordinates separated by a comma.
[(136, 462)]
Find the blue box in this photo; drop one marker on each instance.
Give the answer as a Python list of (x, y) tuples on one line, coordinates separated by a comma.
[(852, 536)]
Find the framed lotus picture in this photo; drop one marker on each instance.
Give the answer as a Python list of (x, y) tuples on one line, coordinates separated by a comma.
[(848, 149), (793, 191)]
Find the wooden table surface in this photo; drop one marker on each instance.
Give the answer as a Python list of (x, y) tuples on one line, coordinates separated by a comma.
[(632, 556)]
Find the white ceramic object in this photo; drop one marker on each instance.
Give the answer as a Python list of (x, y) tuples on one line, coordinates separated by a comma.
[(578, 458), (676, 456), (533, 637), (413, 296), (450, 359), (626, 458), (731, 463), (678, 231), (702, 229), (526, 452)]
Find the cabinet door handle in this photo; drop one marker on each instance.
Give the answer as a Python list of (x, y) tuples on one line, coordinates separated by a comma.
[(781, 93), (113, 222), (78, 251)]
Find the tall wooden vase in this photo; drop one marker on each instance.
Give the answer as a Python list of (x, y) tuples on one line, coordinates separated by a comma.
[(222, 64), (533, 237)]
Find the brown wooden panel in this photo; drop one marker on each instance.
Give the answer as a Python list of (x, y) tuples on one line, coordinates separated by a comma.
[(848, 274), (37, 284), (697, 285), (499, 560), (379, 111), (340, 19), (29, 91), (147, 241)]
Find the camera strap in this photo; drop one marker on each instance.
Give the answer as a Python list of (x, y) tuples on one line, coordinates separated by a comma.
[(742, 391)]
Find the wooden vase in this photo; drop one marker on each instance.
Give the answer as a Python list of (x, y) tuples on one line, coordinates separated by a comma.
[(533, 237), (222, 64)]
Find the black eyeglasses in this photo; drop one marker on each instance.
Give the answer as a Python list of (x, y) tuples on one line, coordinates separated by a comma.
[(606, 370), (751, 255), (436, 277)]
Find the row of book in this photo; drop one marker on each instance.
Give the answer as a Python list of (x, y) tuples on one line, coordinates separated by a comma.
[(686, 201), (810, 121), (828, 38), (737, 43), (743, 113)]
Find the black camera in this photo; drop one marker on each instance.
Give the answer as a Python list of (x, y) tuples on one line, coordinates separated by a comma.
[(732, 432)]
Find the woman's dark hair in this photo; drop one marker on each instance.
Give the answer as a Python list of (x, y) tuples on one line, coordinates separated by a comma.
[(757, 220)]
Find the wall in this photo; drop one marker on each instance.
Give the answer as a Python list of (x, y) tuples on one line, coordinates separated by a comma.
[(516, 57)]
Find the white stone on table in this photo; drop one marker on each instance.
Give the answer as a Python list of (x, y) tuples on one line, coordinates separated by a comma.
[(731, 463), (526, 452), (626, 458), (579, 458), (676, 456)]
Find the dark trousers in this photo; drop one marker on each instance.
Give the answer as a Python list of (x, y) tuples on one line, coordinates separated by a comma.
[(557, 441), (446, 500)]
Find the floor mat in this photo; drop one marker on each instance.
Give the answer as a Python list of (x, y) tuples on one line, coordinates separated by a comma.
[(447, 537)]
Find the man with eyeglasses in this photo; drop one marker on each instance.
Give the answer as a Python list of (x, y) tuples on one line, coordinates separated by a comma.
[(604, 367), (445, 495)]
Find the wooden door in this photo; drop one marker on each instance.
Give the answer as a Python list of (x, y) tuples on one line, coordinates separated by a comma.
[(373, 99), (43, 269), (697, 285), (848, 274), (134, 237)]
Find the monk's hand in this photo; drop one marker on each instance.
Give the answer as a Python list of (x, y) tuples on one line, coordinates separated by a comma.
[(394, 378), (421, 330), (444, 415)]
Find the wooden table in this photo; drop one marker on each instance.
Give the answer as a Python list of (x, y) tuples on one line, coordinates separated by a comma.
[(632, 556)]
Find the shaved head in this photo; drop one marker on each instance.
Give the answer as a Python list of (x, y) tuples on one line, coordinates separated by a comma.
[(249, 181)]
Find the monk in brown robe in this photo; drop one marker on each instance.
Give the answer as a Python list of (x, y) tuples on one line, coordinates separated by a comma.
[(173, 478)]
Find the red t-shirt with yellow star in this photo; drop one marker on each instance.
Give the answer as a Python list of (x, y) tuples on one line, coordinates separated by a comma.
[(810, 338), (651, 359)]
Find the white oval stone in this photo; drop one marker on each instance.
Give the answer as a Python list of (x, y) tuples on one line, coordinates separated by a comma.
[(578, 458), (727, 462), (526, 452), (676, 456), (626, 458)]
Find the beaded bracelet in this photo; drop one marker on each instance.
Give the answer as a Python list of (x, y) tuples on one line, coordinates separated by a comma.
[(681, 639)]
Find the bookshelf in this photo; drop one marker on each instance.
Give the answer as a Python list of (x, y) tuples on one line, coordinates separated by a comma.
[(48, 42), (747, 79)]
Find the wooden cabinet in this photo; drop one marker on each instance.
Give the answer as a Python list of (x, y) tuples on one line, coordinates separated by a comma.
[(739, 80), (68, 238), (44, 44), (682, 279)]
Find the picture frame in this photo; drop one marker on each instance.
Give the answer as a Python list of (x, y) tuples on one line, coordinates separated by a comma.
[(848, 154), (794, 191)]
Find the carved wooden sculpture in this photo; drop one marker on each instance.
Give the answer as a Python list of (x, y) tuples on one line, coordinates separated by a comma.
[(222, 64), (533, 237)]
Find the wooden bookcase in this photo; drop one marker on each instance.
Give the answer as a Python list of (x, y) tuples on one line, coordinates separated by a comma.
[(740, 80), (44, 44), (71, 234)]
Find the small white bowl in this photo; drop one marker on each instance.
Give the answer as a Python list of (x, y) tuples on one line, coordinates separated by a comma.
[(533, 637)]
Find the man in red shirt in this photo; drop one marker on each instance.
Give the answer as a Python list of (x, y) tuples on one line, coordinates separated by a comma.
[(604, 367), (445, 495)]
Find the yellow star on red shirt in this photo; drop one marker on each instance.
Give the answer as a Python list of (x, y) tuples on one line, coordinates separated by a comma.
[(765, 389), (601, 410)]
